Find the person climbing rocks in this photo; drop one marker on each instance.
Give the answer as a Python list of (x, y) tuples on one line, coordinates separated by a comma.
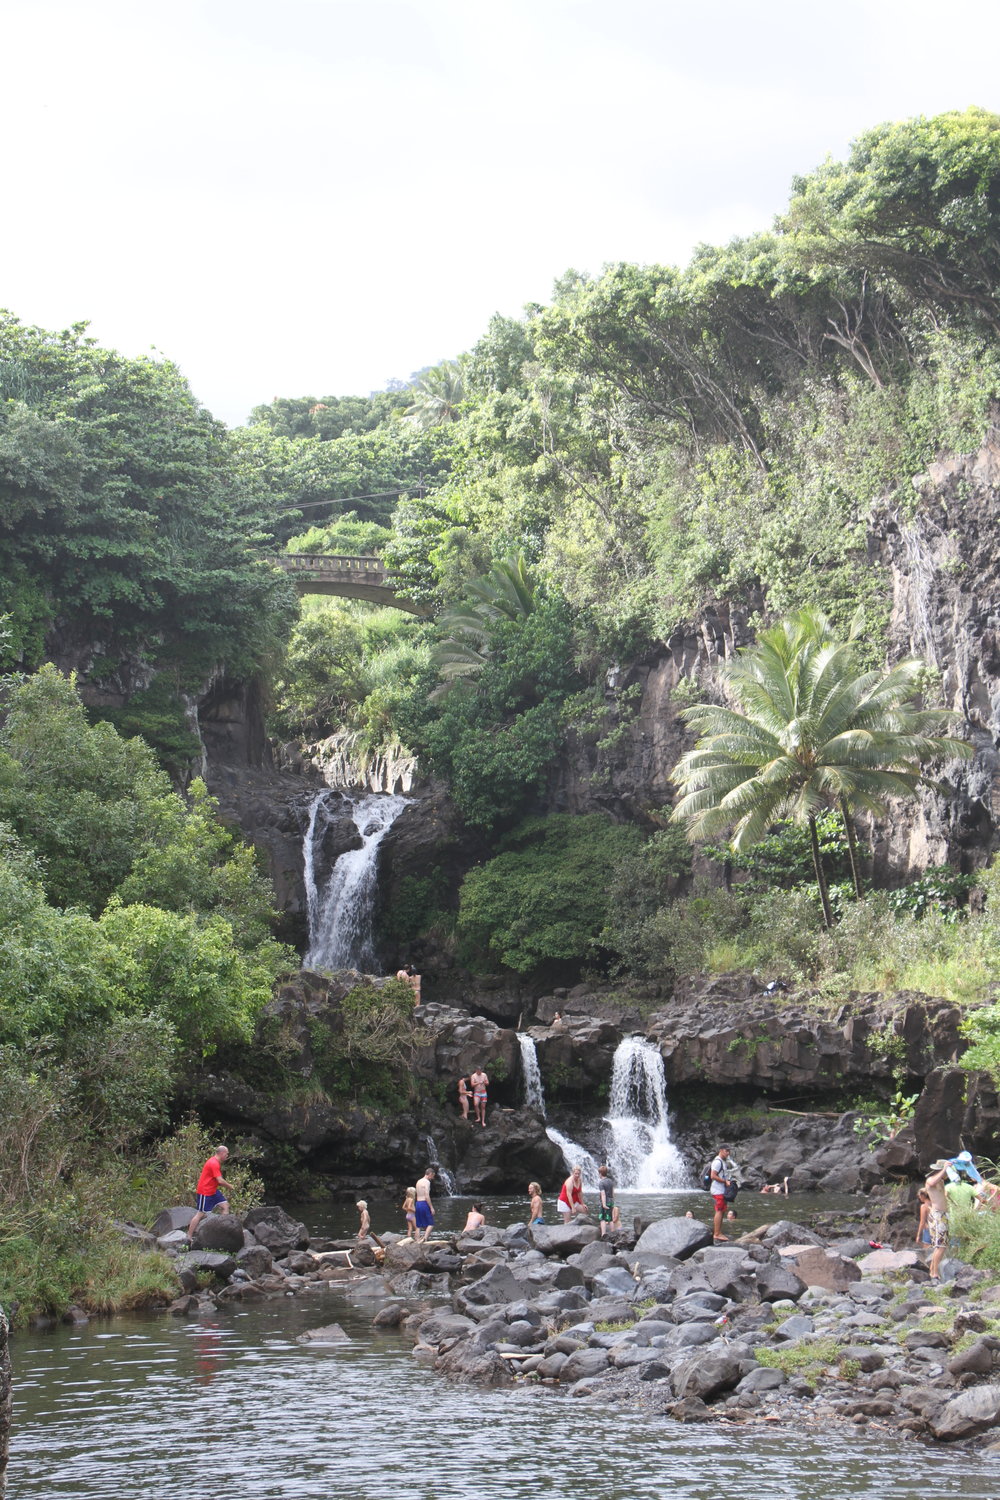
[(480, 1084), (409, 975), (424, 1207), (210, 1197), (606, 1189), (937, 1216), (720, 1176)]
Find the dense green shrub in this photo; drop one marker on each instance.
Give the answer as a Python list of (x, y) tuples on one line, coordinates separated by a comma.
[(544, 898)]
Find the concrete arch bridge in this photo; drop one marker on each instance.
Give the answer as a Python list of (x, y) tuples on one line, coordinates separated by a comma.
[(346, 578)]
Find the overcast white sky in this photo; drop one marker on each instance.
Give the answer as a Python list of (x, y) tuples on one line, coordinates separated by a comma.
[(317, 196)]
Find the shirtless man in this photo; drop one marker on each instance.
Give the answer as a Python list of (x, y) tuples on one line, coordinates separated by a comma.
[(480, 1083), (937, 1218), (424, 1208)]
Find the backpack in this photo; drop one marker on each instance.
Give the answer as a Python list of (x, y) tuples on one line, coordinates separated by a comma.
[(706, 1178)]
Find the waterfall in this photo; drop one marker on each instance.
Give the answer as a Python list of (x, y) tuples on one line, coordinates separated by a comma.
[(642, 1157), (534, 1094), (534, 1097), (575, 1155), (341, 911), (443, 1176)]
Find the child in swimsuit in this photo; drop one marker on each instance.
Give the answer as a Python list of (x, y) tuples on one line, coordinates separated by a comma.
[(410, 1213)]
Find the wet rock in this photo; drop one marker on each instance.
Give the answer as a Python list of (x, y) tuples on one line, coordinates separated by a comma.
[(197, 1262), (968, 1414), (441, 1326), (276, 1230), (332, 1333), (495, 1288), (675, 1237), (711, 1370), (219, 1232)]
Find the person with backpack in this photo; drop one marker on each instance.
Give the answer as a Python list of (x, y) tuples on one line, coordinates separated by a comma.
[(719, 1175)]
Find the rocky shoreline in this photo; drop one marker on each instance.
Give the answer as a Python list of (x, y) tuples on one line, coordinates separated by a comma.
[(784, 1324)]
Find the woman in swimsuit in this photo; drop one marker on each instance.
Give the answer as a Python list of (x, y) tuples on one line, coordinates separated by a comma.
[(570, 1201), (463, 1098)]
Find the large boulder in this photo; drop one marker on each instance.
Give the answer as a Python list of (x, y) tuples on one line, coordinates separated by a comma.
[(563, 1239), (818, 1267), (966, 1415), (492, 1290), (776, 1280), (219, 1232), (169, 1219), (271, 1226), (713, 1369), (676, 1238), (583, 1365), (190, 1267)]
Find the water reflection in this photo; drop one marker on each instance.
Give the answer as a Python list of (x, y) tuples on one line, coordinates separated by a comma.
[(180, 1411)]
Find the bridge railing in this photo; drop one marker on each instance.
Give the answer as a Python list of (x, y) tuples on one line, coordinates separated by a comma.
[(300, 562)]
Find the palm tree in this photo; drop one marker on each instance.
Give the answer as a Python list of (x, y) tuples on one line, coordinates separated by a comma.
[(507, 592), (437, 394), (810, 731)]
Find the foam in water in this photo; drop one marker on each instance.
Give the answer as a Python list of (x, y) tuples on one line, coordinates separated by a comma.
[(642, 1157), (341, 913)]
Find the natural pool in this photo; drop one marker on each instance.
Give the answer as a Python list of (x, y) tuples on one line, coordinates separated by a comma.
[(162, 1409)]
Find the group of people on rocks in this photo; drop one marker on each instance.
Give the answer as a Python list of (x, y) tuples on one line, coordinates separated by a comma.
[(478, 1094), (952, 1183)]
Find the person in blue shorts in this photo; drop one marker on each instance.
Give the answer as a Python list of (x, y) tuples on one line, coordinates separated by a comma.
[(424, 1207)]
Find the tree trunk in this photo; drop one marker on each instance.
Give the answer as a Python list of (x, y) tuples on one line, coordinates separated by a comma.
[(852, 847), (824, 894)]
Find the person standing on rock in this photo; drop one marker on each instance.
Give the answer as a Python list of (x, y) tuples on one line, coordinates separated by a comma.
[(570, 1201), (210, 1198), (606, 1189), (536, 1212), (480, 1083), (463, 1098), (720, 1176), (410, 1212), (424, 1207), (937, 1216), (364, 1219), (409, 975)]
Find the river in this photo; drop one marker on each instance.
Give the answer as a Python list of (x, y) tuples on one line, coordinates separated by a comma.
[(159, 1408)]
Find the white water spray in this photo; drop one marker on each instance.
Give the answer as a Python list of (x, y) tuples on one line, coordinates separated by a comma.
[(341, 912), (642, 1157), (534, 1097), (444, 1177)]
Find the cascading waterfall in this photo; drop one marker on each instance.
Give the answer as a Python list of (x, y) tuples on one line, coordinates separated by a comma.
[(534, 1097), (444, 1177), (341, 912), (642, 1157)]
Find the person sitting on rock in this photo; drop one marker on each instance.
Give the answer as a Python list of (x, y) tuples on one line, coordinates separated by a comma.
[(210, 1197)]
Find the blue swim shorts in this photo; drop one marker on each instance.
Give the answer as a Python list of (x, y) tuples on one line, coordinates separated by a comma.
[(207, 1201), (425, 1214)]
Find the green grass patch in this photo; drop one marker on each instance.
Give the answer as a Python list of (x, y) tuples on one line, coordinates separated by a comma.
[(100, 1272), (806, 1360)]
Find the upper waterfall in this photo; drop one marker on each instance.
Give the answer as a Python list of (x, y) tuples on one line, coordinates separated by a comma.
[(341, 911)]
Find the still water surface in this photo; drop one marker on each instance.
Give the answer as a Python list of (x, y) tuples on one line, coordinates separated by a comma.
[(162, 1409)]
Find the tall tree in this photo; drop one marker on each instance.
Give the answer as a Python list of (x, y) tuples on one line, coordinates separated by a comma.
[(809, 731)]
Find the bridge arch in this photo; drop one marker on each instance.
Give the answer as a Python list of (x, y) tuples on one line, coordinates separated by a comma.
[(346, 578)]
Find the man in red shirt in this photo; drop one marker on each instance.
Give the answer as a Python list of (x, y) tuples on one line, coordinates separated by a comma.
[(208, 1192)]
